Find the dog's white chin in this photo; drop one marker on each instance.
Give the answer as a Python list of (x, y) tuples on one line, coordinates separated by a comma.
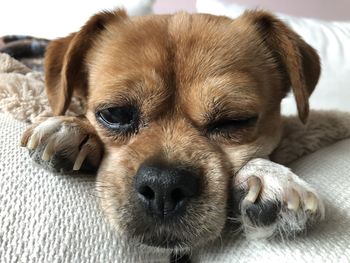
[(166, 243)]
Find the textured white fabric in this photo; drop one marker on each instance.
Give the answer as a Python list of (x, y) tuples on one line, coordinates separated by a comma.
[(330, 39), (54, 218)]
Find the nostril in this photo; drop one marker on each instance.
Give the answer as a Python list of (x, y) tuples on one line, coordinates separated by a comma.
[(147, 192), (177, 195)]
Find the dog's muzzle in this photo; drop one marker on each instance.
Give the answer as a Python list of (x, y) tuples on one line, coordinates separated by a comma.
[(164, 191)]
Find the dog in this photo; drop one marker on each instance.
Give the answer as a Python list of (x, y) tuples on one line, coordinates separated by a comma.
[(182, 113)]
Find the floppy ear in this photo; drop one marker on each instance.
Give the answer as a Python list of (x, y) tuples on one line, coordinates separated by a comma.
[(299, 60), (65, 69)]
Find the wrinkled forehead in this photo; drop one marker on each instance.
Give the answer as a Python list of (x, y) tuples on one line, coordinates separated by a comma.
[(158, 59)]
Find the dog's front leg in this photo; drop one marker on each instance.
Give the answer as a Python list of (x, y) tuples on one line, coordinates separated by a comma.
[(322, 129), (273, 200), (64, 144)]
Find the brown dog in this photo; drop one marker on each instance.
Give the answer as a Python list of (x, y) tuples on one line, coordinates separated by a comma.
[(175, 106)]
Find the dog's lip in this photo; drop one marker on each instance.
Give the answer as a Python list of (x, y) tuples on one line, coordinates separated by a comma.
[(169, 244), (164, 242)]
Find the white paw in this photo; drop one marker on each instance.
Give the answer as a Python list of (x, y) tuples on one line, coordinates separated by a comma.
[(274, 200), (63, 144)]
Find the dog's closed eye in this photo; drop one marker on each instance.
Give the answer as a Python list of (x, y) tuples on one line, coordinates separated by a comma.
[(231, 128), (229, 125)]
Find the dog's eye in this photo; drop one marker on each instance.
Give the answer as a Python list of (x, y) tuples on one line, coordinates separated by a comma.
[(120, 119), (232, 125)]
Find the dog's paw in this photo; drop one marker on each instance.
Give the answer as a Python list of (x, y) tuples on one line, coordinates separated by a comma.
[(63, 144), (274, 201)]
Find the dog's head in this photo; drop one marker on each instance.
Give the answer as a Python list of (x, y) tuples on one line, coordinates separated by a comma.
[(180, 102)]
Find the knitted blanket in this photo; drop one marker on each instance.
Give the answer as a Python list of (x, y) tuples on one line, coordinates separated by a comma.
[(22, 91)]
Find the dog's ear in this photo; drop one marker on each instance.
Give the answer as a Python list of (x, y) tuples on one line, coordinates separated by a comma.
[(300, 61), (65, 69)]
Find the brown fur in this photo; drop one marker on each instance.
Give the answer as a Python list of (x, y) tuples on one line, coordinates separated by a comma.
[(183, 72)]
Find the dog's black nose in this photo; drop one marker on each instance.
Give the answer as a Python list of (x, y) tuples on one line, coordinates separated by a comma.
[(165, 191)]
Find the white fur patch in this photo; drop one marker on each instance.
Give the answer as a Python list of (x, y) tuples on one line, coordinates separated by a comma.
[(278, 182)]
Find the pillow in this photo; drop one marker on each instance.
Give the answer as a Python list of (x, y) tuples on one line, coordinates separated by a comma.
[(52, 19), (332, 41)]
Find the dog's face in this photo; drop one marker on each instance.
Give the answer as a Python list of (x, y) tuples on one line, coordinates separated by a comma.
[(180, 102)]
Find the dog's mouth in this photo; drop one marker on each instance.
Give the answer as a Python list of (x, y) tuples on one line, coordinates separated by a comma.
[(179, 234), (165, 242), (165, 235)]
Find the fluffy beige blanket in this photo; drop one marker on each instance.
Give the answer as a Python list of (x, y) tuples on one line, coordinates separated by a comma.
[(22, 92)]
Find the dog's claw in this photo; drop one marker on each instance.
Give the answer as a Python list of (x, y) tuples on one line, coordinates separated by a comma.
[(81, 157), (311, 202), (293, 200), (49, 151), (254, 185), (33, 142)]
